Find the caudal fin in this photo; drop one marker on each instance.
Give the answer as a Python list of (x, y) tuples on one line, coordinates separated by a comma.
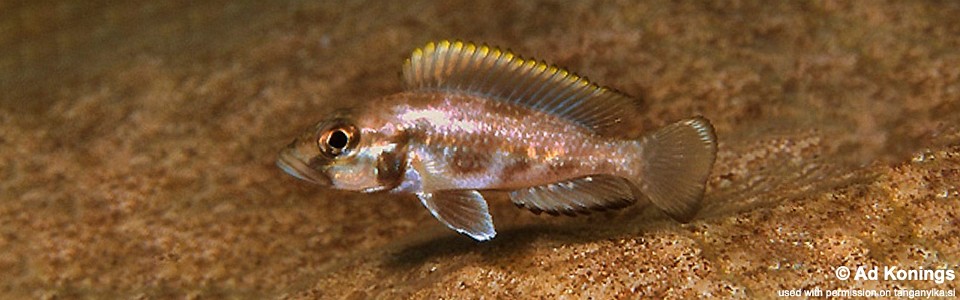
[(676, 162)]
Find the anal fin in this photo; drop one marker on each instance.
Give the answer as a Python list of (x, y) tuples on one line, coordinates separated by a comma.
[(579, 195), (464, 211)]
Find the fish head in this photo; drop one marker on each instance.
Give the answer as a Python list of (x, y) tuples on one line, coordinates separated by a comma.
[(344, 154)]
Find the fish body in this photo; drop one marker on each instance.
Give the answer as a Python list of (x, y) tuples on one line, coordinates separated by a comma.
[(476, 118)]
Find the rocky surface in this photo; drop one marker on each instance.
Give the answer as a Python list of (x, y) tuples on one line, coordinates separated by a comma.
[(137, 143)]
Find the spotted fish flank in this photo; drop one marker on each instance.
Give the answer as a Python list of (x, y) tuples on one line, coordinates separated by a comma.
[(468, 161), (477, 118)]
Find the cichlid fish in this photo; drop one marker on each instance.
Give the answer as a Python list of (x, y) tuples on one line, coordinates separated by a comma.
[(476, 118)]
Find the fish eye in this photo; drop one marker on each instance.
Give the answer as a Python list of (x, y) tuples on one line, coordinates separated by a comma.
[(338, 139)]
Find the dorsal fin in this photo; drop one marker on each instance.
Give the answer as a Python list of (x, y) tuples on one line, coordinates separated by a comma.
[(504, 76)]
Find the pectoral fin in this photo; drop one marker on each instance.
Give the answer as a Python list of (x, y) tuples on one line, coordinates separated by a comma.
[(462, 210)]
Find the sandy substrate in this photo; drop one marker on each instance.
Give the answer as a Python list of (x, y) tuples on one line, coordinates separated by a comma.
[(137, 147)]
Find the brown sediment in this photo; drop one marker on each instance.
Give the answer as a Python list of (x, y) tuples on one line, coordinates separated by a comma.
[(137, 147)]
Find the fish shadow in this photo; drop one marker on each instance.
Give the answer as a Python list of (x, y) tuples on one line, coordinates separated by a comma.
[(775, 169), (452, 245), (514, 239)]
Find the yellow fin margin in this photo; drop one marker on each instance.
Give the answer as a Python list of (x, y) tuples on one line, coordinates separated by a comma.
[(504, 76)]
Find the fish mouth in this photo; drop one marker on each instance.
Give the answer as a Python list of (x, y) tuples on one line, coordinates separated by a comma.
[(289, 162)]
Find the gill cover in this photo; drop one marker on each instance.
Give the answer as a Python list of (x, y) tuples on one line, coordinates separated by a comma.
[(336, 152)]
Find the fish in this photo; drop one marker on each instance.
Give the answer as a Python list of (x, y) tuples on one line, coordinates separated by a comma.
[(475, 118)]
